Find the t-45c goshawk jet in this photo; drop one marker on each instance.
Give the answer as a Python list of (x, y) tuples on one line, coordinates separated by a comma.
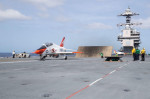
[(53, 50)]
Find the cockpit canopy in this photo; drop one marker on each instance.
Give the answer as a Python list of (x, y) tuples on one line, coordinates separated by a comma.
[(44, 46), (48, 44)]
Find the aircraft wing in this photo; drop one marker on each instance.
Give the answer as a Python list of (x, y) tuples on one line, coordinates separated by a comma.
[(64, 53), (70, 50)]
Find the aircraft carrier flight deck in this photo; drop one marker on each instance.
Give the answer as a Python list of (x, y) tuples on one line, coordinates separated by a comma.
[(75, 78)]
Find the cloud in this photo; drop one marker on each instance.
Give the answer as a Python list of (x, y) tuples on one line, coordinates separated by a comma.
[(44, 15), (12, 14), (62, 19), (44, 4), (97, 25), (145, 23)]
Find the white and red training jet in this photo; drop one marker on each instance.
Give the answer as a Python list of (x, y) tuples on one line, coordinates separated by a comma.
[(53, 50)]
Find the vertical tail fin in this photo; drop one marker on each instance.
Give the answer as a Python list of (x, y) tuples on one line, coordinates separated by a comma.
[(62, 42), (115, 51)]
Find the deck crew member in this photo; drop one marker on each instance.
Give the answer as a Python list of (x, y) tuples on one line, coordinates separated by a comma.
[(13, 53), (101, 55), (137, 53), (133, 53), (143, 54)]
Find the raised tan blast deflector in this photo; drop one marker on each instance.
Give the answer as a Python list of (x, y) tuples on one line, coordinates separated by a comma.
[(94, 51)]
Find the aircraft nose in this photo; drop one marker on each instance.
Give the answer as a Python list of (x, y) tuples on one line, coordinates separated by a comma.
[(39, 51)]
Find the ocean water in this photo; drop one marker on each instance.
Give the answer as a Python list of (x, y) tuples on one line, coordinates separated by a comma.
[(5, 54), (10, 54)]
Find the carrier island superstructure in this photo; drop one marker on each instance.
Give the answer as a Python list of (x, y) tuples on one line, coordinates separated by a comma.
[(129, 37)]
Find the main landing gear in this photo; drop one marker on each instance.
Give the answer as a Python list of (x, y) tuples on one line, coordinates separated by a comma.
[(65, 57)]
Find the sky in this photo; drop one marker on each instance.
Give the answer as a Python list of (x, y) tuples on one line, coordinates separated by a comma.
[(27, 24)]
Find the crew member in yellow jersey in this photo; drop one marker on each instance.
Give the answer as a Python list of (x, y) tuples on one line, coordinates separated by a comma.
[(133, 53), (143, 54)]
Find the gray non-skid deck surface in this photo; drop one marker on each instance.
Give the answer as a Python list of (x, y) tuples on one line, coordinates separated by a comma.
[(58, 79)]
